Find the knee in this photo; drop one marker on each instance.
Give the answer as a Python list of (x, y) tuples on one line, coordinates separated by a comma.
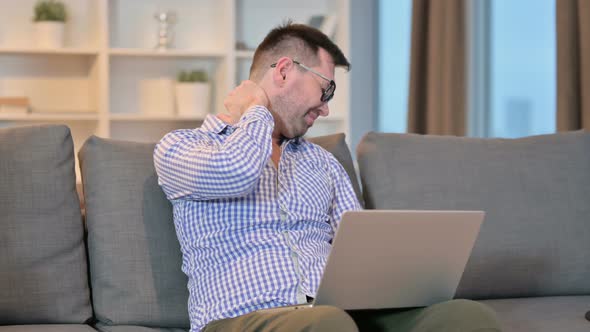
[(466, 315), (329, 318)]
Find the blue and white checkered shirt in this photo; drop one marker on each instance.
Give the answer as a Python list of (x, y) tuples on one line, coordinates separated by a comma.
[(252, 236)]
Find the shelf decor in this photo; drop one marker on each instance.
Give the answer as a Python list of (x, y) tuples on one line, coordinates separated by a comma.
[(14, 105), (166, 20), (50, 17), (156, 97), (192, 94), (109, 79)]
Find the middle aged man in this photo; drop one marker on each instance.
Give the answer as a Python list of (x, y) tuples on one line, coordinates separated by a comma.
[(256, 205)]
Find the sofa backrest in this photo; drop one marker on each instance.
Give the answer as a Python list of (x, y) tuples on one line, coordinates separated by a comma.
[(43, 271), (336, 144), (536, 193), (134, 256)]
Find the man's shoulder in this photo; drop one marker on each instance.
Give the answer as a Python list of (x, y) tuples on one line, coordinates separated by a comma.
[(211, 126), (316, 150), (311, 147), (180, 134), (202, 132)]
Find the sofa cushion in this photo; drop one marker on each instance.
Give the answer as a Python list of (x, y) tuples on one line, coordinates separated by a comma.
[(43, 273), (134, 255), (336, 144), (542, 314), (130, 328), (47, 328), (535, 191)]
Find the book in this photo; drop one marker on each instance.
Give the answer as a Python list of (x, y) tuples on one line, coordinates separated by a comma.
[(14, 104)]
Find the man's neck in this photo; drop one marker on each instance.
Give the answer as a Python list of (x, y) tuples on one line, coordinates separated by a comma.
[(276, 150), (277, 138)]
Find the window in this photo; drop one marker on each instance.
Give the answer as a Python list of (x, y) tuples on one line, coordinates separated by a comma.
[(512, 69), (519, 96), (394, 64)]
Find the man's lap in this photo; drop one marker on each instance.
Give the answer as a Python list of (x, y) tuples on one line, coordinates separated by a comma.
[(456, 315), (320, 318)]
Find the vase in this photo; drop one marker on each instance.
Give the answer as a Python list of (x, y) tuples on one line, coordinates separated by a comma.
[(156, 97), (192, 99), (49, 34)]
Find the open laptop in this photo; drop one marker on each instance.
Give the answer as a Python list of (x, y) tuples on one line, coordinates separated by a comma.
[(396, 259)]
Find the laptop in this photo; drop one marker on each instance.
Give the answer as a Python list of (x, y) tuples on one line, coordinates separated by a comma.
[(396, 259)]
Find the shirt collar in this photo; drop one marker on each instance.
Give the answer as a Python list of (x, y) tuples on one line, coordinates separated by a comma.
[(214, 124), (295, 141)]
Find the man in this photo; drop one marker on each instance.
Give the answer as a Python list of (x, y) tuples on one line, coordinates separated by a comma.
[(256, 205)]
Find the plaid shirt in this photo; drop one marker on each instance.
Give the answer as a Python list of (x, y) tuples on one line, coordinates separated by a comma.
[(252, 236)]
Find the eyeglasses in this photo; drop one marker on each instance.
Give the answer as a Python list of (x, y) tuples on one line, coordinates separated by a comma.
[(327, 93)]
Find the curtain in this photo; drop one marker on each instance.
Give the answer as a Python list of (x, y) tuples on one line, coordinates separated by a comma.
[(437, 93), (573, 64)]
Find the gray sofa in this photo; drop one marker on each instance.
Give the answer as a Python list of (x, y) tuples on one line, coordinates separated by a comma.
[(119, 270)]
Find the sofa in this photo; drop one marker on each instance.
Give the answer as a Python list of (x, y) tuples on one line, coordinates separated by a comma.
[(113, 263)]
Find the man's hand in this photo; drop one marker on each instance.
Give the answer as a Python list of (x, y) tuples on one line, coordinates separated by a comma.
[(242, 98)]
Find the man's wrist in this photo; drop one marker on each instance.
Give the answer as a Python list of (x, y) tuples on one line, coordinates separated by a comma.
[(258, 111)]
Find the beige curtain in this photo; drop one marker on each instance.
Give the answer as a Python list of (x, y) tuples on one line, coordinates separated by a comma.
[(573, 64), (438, 68)]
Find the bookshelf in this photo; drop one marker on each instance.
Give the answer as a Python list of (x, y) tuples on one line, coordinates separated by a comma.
[(92, 83)]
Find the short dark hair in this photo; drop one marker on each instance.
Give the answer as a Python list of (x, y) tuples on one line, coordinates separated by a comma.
[(298, 41)]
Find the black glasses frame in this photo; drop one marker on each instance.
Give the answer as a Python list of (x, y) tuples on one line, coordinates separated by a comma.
[(328, 92)]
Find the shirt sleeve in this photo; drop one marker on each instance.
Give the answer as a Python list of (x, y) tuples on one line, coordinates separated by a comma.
[(192, 165), (344, 196)]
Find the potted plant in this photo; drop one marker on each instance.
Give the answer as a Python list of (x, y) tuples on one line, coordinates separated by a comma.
[(192, 93), (50, 17)]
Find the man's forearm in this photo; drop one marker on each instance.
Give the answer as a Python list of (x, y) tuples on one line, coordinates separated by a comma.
[(194, 166)]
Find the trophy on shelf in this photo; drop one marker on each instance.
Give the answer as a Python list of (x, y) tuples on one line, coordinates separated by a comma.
[(166, 19)]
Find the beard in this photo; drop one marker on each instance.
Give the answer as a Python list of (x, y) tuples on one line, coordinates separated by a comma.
[(288, 123)]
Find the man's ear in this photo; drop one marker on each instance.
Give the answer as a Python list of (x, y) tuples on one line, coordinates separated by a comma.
[(282, 70)]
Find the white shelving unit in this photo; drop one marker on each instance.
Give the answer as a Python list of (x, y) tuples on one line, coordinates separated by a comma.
[(62, 51), (92, 83), (49, 117)]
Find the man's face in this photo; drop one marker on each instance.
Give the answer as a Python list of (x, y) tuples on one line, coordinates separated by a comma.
[(300, 105)]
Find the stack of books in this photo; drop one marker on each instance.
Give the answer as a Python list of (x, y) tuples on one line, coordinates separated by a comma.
[(14, 105)]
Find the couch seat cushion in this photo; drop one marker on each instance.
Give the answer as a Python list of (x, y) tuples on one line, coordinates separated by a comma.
[(543, 314), (43, 274), (47, 328), (131, 328)]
